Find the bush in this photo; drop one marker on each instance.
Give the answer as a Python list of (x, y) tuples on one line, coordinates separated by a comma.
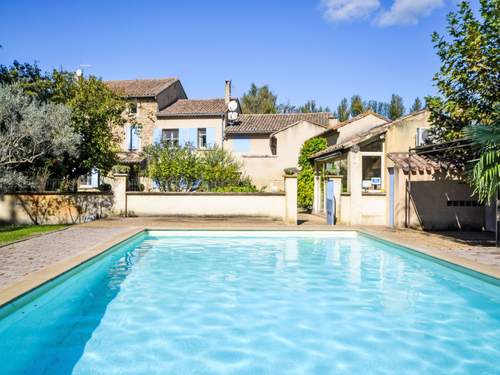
[(305, 180), (121, 169), (174, 168), (105, 187)]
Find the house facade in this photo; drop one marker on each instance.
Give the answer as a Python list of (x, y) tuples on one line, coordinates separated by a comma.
[(382, 173), (357, 158), (266, 144)]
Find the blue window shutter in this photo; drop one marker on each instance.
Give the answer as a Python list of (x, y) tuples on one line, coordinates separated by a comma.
[(156, 136), (155, 185), (193, 137), (241, 144), (94, 178), (183, 136), (135, 138), (210, 137), (127, 137)]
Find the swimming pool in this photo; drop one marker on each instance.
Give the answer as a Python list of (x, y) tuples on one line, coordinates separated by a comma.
[(255, 303)]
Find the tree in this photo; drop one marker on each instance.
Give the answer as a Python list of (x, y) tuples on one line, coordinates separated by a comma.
[(287, 108), (174, 168), (311, 107), (468, 82), (417, 105), (96, 112), (342, 112), (485, 174), (33, 136), (357, 106), (396, 107), (381, 108), (259, 100), (305, 178)]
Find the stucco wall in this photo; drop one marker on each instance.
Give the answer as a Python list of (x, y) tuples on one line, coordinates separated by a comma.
[(170, 95), (181, 122), (266, 169), (356, 127), (207, 204), (54, 208)]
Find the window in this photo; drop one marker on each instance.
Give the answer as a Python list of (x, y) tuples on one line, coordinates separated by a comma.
[(202, 138), (372, 172), (170, 136), (133, 108), (372, 146), (274, 146)]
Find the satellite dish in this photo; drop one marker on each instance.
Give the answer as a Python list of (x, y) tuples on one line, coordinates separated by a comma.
[(233, 105), (232, 116)]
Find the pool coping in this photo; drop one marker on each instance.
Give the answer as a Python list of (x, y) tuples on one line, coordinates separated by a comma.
[(47, 274)]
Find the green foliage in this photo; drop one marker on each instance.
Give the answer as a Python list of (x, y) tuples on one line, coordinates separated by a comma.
[(417, 105), (34, 137), (469, 79), (219, 169), (175, 168), (382, 108), (121, 169), (485, 173), (305, 180), (259, 100), (396, 107), (13, 233), (342, 112), (96, 112), (357, 106), (311, 107)]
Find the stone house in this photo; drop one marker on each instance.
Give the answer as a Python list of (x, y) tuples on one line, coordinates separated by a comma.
[(382, 174), (265, 143)]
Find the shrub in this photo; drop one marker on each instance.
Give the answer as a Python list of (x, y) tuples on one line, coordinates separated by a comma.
[(174, 168), (305, 180)]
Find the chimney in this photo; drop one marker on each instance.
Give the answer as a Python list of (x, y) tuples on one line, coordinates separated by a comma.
[(227, 93)]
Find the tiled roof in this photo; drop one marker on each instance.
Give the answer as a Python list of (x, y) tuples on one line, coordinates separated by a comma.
[(130, 157), (417, 163), (187, 107), (358, 138), (361, 137), (140, 88), (270, 123), (353, 119)]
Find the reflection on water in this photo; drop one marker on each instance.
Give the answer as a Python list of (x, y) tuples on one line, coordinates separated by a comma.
[(211, 305)]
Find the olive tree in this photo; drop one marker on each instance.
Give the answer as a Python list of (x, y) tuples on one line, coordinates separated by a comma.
[(33, 135)]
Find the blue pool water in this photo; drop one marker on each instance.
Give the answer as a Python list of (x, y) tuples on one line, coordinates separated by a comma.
[(255, 303)]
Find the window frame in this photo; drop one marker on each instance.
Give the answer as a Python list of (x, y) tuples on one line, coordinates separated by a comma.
[(172, 141), (201, 132)]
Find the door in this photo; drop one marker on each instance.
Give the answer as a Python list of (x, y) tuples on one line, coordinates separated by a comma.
[(391, 196), (330, 203)]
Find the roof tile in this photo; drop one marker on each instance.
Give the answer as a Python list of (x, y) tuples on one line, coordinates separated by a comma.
[(186, 107), (270, 123), (140, 88)]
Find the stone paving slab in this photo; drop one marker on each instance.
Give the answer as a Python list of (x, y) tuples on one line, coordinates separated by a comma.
[(23, 258)]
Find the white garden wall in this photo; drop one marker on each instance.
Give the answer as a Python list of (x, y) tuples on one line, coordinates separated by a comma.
[(207, 204)]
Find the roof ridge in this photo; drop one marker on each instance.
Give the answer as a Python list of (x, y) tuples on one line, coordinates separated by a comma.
[(140, 79)]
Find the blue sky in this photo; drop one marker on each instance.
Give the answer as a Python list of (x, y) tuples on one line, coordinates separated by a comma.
[(304, 49)]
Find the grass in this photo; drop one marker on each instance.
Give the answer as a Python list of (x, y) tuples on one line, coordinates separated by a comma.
[(11, 233)]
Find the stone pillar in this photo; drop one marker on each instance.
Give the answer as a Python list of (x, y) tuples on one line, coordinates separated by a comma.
[(355, 183), (120, 193), (337, 190), (291, 199), (317, 194)]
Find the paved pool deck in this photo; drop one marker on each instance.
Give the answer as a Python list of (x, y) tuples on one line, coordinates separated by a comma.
[(27, 264)]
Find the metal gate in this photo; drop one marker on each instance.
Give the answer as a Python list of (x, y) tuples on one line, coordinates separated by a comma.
[(330, 202)]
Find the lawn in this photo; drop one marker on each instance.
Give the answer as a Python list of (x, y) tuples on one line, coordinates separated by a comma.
[(12, 233)]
